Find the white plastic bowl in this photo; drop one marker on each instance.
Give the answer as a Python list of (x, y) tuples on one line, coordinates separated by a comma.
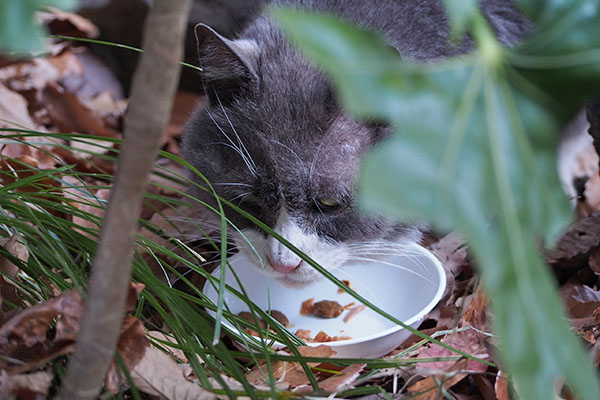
[(405, 286)]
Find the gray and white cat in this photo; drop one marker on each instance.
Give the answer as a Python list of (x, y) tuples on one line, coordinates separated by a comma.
[(273, 138)]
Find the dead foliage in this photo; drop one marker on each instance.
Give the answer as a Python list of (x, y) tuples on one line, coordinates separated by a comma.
[(71, 91)]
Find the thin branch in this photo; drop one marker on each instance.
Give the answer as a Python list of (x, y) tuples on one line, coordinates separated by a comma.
[(154, 85)]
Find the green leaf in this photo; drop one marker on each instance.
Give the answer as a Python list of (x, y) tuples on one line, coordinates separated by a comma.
[(474, 150), (18, 30), (563, 56)]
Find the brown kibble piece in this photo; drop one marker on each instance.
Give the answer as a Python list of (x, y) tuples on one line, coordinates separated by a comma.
[(328, 309), (347, 283), (248, 316), (303, 334), (307, 307), (279, 317), (322, 337), (353, 311)]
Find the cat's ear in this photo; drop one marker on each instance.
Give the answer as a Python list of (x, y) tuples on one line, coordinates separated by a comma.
[(228, 66)]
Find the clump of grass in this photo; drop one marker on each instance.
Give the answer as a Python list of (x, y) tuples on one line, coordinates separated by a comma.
[(35, 208)]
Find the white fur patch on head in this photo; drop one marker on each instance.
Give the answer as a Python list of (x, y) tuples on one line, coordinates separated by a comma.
[(266, 251)]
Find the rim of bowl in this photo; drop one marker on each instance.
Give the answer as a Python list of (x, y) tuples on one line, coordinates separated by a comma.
[(421, 314)]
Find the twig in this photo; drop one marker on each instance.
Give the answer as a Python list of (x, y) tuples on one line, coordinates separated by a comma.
[(153, 88)]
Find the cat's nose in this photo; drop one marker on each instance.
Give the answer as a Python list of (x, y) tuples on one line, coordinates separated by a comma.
[(283, 267)]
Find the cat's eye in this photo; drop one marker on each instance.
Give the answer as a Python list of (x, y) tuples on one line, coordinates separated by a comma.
[(327, 202)]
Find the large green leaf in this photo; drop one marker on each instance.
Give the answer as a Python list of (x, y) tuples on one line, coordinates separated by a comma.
[(18, 30), (563, 56), (473, 149)]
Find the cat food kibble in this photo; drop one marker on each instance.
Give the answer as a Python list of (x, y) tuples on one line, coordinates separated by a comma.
[(347, 283), (323, 337), (307, 307), (353, 311), (246, 315), (328, 309), (279, 317), (304, 334)]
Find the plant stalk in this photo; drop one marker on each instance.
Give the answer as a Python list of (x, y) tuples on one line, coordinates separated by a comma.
[(153, 89)]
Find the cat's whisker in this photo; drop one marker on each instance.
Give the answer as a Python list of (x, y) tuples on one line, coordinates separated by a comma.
[(395, 265), (353, 278), (233, 145), (412, 255), (243, 147), (192, 241), (239, 196), (237, 150), (231, 184)]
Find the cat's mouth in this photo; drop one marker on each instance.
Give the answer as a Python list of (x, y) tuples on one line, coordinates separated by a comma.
[(283, 264)]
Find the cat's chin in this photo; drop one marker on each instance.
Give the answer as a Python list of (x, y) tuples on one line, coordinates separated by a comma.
[(290, 281)]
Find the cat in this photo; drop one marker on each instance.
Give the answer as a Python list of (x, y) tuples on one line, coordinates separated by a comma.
[(274, 140)]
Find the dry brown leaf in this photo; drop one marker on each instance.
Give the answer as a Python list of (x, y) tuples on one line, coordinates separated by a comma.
[(175, 352), (30, 338), (132, 346), (106, 105), (92, 165), (594, 262), (66, 64), (429, 388), (69, 114), (469, 341), (449, 373), (157, 374), (22, 167), (291, 373), (67, 24), (95, 206), (476, 314), (26, 386), (13, 110), (501, 386), (576, 245), (485, 386), (452, 252), (89, 148), (25, 337), (8, 269), (343, 380), (135, 288), (580, 300), (29, 327), (29, 77)]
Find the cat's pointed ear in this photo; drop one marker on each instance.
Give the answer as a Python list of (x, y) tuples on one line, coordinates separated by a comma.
[(228, 66)]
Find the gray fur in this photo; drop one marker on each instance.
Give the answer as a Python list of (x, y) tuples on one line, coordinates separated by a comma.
[(294, 142)]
